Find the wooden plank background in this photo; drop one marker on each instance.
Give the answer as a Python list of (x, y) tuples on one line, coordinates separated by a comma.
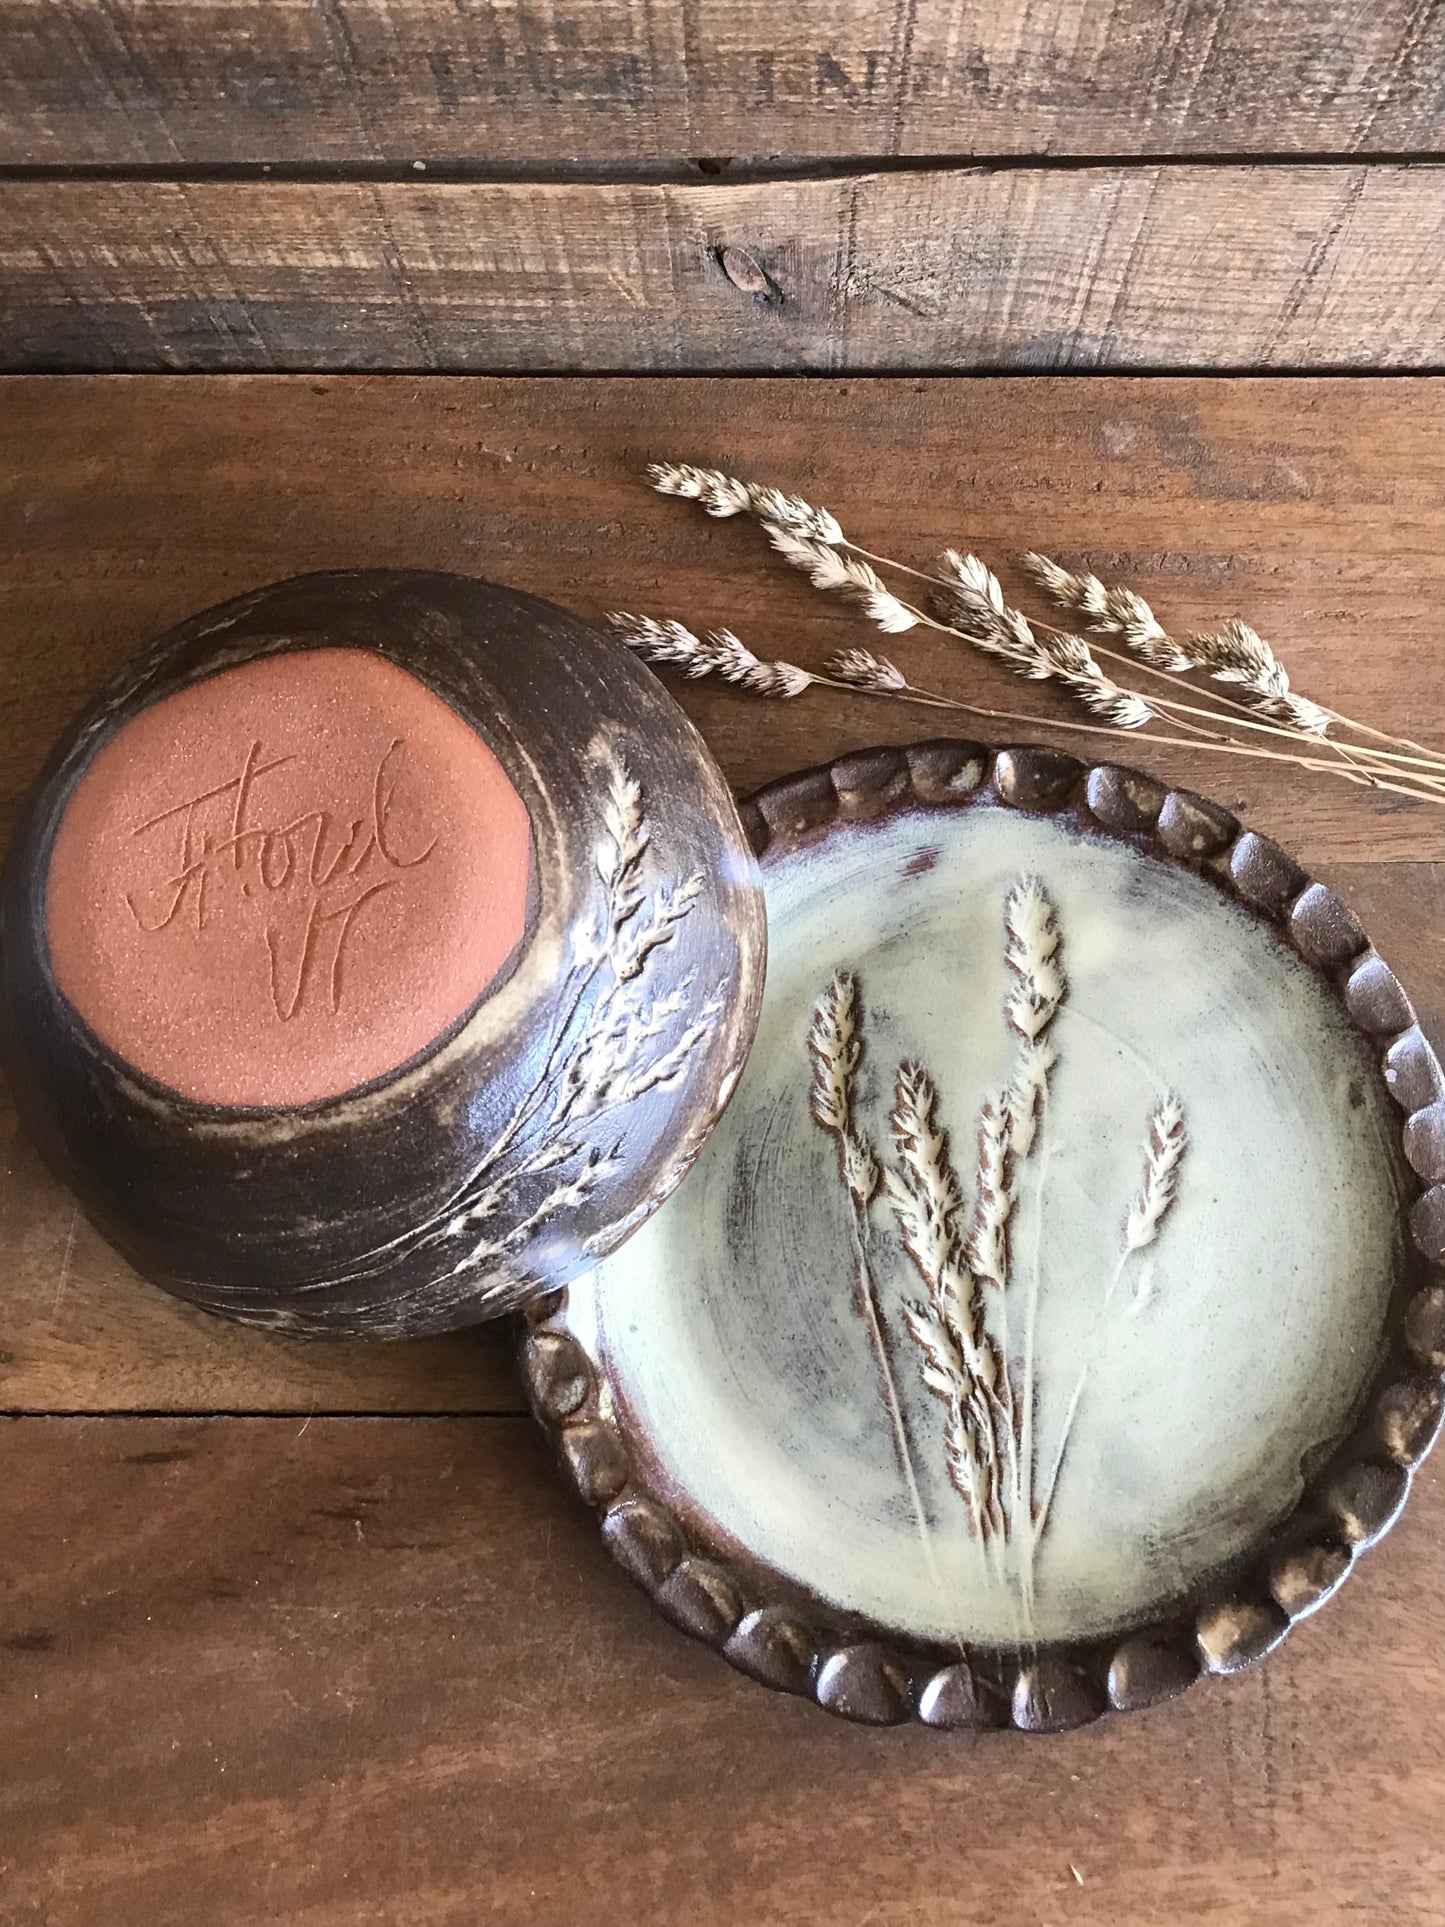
[(373, 1672), (1039, 269), (312, 1634), (721, 186), (359, 1658), (554, 81)]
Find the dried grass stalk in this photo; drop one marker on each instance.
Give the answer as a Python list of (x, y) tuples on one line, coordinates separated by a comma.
[(830, 569), (723, 495), (861, 669), (972, 605), (719, 653), (1234, 654), (968, 603)]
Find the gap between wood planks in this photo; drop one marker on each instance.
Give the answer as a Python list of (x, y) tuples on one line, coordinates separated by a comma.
[(694, 171)]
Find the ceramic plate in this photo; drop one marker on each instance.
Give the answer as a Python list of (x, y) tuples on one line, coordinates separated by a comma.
[(1051, 1316)]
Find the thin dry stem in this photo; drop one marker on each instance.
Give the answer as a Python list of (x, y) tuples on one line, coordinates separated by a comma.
[(638, 632), (974, 608), (835, 1049), (1235, 654), (1165, 1145)]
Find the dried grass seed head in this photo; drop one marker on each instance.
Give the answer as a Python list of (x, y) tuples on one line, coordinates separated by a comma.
[(861, 669), (1108, 611), (1235, 653), (719, 653), (723, 495), (832, 570), (973, 605), (719, 494)]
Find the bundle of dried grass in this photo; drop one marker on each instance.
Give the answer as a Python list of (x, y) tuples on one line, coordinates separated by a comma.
[(1247, 707)]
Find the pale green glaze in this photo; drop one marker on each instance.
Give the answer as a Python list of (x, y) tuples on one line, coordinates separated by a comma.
[(731, 1326)]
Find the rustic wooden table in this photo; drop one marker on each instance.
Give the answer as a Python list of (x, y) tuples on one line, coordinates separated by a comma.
[(313, 1634)]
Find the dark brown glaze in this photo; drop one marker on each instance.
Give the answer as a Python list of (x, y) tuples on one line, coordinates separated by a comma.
[(771, 1630), (527, 1138)]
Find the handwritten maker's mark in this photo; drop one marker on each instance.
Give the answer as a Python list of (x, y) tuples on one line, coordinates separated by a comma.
[(313, 875)]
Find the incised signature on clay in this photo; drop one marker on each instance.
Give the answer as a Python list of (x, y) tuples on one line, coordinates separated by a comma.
[(311, 875)]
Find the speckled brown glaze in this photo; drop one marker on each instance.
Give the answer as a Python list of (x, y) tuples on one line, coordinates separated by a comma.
[(787, 1640), (567, 1099)]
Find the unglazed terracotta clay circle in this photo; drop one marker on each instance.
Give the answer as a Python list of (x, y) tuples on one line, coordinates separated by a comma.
[(286, 880)]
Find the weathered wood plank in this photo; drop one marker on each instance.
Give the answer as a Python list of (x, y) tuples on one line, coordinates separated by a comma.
[(450, 80), (1315, 508), (384, 1672), (1174, 267)]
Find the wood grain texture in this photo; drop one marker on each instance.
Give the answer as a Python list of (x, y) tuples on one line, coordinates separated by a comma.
[(1317, 509), (346, 80), (385, 1673), (1152, 267)]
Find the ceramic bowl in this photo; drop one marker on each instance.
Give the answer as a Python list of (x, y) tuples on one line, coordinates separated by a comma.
[(378, 949)]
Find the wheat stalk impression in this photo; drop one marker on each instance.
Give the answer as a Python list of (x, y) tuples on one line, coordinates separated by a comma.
[(960, 1365), (960, 1248), (560, 1139), (835, 1046), (1163, 1156), (835, 1049), (1037, 989), (1166, 1143), (987, 1243), (966, 603)]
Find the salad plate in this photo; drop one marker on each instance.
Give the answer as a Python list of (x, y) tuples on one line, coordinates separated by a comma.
[(1055, 1313)]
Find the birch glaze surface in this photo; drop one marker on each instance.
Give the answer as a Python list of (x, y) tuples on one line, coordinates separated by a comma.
[(1200, 1269), (527, 1134)]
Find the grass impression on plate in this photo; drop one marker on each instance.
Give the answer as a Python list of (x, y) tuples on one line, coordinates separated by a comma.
[(979, 1372)]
